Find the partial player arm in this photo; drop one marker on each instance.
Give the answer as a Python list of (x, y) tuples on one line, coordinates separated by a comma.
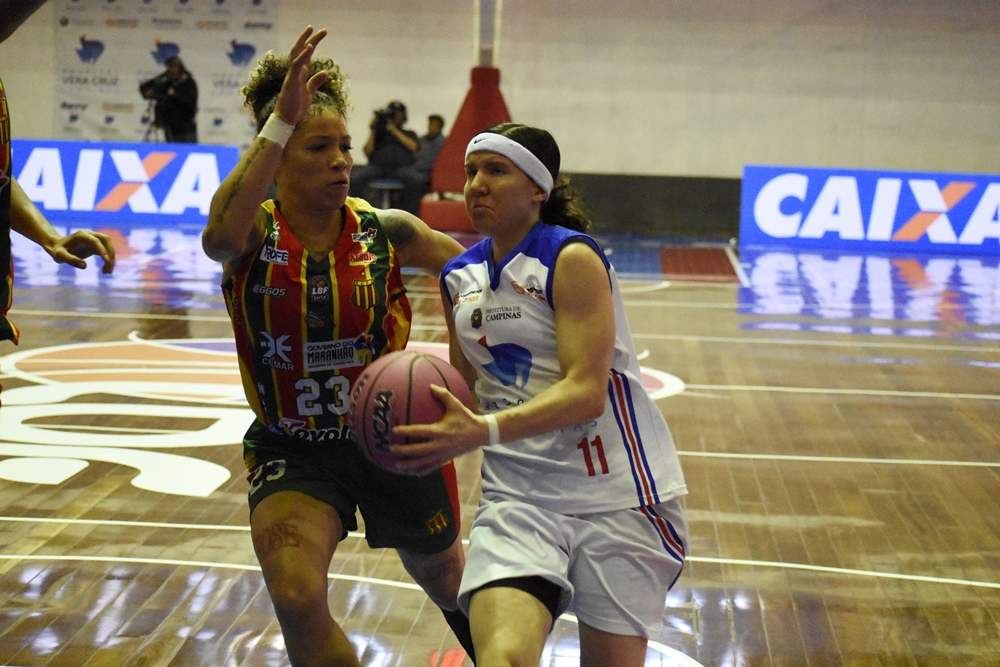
[(26, 219), (417, 245), (585, 339), (235, 220)]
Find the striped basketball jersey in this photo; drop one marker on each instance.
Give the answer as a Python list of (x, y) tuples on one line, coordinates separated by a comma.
[(505, 323), (7, 329), (306, 328)]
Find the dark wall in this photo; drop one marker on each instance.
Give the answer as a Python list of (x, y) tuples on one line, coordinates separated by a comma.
[(690, 207)]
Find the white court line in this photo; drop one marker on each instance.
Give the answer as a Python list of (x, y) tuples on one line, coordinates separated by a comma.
[(846, 571), (709, 339), (120, 371), (358, 534), (682, 304), (644, 287), (682, 659), (837, 459), (177, 365), (109, 429), (823, 343), (737, 267), (847, 392), (130, 315), (415, 587)]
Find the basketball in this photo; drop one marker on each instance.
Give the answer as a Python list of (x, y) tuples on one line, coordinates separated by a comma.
[(394, 390)]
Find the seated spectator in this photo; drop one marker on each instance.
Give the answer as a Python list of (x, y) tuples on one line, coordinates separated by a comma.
[(389, 147), (416, 178)]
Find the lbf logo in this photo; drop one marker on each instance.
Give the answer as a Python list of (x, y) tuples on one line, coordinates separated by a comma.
[(85, 181), (887, 211)]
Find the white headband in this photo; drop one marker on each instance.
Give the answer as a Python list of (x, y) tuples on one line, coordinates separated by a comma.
[(525, 160)]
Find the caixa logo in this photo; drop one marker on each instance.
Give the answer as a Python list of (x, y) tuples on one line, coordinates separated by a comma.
[(885, 211), (86, 181)]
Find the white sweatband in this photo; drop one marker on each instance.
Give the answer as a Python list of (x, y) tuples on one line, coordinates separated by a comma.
[(525, 160), (491, 423), (276, 130)]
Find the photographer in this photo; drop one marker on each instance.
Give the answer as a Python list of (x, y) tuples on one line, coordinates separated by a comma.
[(389, 148), (175, 97)]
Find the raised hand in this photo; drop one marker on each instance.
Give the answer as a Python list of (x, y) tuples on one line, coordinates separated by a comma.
[(298, 88)]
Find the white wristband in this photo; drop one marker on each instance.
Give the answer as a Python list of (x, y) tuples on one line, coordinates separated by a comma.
[(491, 423), (276, 130)]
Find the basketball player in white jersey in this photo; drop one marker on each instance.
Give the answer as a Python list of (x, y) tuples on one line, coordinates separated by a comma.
[(581, 482)]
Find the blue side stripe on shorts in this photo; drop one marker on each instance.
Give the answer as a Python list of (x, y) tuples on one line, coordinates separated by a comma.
[(668, 535), (645, 484)]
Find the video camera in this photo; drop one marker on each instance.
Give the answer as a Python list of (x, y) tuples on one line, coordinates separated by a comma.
[(383, 116), (156, 88)]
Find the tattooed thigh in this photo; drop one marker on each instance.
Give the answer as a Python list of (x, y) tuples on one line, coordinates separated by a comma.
[(280, 535)]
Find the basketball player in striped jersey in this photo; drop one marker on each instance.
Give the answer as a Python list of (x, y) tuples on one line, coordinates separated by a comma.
[(581, 481), (18, 213), (312, 283)]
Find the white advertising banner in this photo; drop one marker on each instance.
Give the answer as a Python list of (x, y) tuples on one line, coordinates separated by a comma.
[(106, 48)]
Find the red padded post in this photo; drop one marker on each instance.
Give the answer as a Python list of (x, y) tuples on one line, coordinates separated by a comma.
[(483, 107)]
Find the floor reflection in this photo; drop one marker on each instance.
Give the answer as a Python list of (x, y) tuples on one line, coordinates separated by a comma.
[(880, 294), (166, 270)]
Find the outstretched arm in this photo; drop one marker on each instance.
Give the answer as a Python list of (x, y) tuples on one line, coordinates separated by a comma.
[(417, 245), (585, 340), (235, 222), (27, 220)]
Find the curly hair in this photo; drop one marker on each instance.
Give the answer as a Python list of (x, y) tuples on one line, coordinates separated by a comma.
[(564, 206), (261, 93)]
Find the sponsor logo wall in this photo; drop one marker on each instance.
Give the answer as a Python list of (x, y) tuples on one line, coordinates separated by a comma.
[(870, 211), (104, 50), (121, 183)]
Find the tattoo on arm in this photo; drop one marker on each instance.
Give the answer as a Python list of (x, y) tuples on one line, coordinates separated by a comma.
[(399, 230), (239, 174)]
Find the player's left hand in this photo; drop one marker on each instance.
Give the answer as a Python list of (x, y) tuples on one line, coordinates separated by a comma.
[(78, 246), (459, 431)]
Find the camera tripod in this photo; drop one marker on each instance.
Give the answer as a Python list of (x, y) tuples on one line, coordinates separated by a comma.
[(154, 133)]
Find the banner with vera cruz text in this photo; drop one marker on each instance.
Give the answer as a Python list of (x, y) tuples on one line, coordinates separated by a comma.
[(104, 50)]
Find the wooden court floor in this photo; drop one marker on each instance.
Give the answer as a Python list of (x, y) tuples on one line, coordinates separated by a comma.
[(842, 457)]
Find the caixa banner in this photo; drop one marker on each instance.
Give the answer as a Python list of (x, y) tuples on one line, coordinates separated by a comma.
[(142, 183), (871, 211)]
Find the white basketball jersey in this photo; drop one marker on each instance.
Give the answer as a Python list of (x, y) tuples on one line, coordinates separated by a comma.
[(506, 327)]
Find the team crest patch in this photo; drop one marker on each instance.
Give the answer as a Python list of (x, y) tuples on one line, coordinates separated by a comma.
[(530, 289), (315, 320), (437, 523), (364, 295), (477, 318), (319, 289), (366, 236), (275, 234)]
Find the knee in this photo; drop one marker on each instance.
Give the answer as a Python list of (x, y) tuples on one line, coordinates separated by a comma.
[(297, 598), (439, 575), (504, 651), (444, 591)]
